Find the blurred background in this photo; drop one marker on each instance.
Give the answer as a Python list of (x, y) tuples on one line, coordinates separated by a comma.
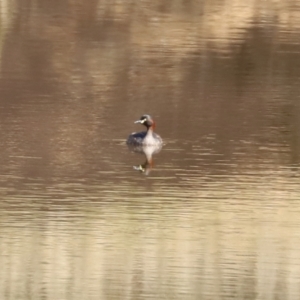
[(217, 214)]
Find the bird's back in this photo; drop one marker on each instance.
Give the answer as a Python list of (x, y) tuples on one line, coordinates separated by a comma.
[(136, 138)]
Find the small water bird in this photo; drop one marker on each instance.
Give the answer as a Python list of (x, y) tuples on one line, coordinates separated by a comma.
[(145, 138)]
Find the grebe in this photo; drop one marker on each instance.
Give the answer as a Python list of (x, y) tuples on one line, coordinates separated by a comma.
[(145, 138)]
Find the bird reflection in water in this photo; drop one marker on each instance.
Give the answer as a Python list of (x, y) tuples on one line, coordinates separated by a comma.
[(148, 151)]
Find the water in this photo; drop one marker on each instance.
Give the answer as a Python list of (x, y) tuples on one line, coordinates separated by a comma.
[(214, 215)]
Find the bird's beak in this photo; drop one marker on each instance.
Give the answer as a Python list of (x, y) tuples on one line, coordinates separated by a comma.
[(138, 121)]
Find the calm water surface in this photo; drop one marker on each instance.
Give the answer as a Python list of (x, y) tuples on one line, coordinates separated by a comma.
[(214, 215)]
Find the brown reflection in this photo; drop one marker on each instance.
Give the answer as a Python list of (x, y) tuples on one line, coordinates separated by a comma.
[(66, 77)]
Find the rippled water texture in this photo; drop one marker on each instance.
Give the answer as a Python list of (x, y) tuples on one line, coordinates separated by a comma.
[(214, 215)]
